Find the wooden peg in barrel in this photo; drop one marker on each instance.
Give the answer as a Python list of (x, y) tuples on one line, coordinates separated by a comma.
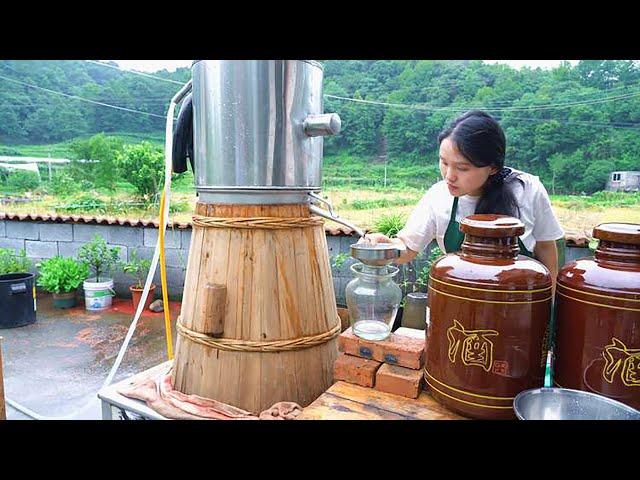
[(214, 298)]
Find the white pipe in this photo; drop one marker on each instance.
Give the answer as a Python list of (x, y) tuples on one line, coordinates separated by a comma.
[(92, 407)]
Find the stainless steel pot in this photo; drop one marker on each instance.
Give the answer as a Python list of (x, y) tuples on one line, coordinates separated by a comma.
[(258, 128)]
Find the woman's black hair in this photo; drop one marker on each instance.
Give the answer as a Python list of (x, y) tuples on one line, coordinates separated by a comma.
[(480, 139)]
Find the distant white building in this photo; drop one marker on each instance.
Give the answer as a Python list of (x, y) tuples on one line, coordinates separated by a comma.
[(29, 167), (624, 181), (30, 163)]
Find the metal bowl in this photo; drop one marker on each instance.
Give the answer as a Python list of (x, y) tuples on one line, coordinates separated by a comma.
[(566, 404), (375, 255)]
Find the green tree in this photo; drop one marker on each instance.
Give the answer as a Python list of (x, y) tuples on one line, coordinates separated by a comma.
[(94, 159), (142, 165), (595, 176)]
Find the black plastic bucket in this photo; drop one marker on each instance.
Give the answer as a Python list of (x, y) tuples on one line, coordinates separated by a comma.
[(17, 301)]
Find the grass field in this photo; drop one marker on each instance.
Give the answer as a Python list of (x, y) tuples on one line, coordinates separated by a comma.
[(362, 206), (61, 149), (356, 188)]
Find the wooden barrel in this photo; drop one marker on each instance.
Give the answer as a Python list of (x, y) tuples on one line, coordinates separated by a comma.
[(259, 320)]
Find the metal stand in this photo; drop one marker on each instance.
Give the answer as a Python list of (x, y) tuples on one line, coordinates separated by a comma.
[(118, 407)]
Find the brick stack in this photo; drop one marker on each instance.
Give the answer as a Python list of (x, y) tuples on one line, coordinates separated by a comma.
[(393, 365)]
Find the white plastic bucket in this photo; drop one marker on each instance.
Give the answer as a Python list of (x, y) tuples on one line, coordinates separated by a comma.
[(98, 295)]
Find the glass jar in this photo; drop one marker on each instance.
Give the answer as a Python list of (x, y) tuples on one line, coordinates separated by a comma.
[(415, 311), (373, 299)]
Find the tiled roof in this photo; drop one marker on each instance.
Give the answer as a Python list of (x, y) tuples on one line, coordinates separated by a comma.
[(579, 240), (132, 222)]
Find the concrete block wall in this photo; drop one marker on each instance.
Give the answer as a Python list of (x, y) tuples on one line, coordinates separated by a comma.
[(46, 239), (43, 240)]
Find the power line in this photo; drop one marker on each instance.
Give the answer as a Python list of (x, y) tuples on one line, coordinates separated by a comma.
[(53, 103), (619, 125), (597, 95), (387, 104), (488, 109), (135, 72), (75, 97), (420, 107)]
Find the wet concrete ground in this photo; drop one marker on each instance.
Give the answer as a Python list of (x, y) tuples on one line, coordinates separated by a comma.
[(57, 364)]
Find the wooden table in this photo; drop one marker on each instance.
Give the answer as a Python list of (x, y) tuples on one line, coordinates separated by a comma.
[(345, 401), (342, 401)]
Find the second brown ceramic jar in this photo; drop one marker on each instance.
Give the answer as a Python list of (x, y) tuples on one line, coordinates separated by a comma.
[(598, 317)]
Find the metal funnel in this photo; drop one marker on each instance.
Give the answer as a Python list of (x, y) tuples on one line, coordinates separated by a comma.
[(375, 255)]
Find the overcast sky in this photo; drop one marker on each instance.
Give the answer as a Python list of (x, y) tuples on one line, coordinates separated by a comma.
[(171, 65)]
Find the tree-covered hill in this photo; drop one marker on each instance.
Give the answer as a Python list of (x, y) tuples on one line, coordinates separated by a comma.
[(571, 125), (34, 115)]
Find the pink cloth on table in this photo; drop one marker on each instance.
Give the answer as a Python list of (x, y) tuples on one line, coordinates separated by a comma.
[(159, 395)]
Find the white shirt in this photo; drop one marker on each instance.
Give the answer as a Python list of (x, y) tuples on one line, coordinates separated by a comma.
[(431, 216)]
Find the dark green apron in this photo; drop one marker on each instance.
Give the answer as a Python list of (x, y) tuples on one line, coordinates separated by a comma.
[(453, 239)]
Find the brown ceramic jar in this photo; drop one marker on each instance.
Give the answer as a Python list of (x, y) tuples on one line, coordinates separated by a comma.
[(490, 308), (598, 317)]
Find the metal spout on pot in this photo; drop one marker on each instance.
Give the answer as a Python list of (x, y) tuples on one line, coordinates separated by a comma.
[(322, 125), (330, 215)]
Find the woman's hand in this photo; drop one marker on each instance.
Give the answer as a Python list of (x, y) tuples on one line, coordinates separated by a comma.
[(374, 239), (406, 254)]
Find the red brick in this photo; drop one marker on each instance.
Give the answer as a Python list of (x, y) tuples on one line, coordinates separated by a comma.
[(399, 380), (411, 332), (360, 371), (396, 349)]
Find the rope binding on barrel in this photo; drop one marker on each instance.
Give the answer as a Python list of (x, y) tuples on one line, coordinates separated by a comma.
[(268, 223), (239, 345)]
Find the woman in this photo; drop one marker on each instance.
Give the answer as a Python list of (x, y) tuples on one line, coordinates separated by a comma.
[(475, 180)]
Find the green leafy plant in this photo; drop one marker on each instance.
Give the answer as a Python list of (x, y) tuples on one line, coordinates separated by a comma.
[(84, 203), (422, 279), (390, 224), (338, 260), (21, 181), (99, 256), (10, 262), (62, 274), (138, 268), (63, 184)]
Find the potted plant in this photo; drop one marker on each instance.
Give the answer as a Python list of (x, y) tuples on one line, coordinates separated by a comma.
[(337, 262), (98, 290), (62, 276), (138, 268), (17, 292)]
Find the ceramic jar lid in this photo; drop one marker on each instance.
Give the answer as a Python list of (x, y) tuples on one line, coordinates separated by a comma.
[(618, 232), (492, 225)]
